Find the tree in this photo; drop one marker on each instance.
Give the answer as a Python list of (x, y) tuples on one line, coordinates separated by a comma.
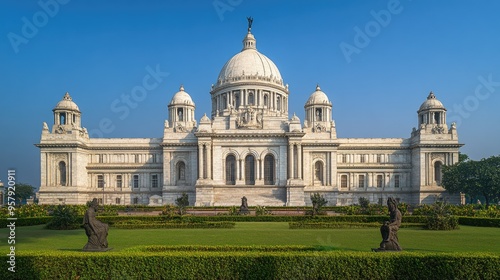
[(318, 201), (181, 203), (23, 192), (475, 178)]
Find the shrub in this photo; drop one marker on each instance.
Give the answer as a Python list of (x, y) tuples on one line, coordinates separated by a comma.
[(261, 211), (182, 202), (168, 211), (440, 219), (364, 202), (318, 201), (233, 211), (64, 218)]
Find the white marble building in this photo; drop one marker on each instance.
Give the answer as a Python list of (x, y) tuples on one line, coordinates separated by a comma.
[(247, 146)]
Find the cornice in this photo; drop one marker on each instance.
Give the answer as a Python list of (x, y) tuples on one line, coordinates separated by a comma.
[(124, 166), (248, 83), (61, 145), (379, 166), (436, 146), (343, 147)]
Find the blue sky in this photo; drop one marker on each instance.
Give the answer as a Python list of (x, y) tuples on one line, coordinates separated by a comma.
[(376, 60)]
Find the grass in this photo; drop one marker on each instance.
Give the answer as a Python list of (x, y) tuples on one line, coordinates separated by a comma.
[(466, 239)]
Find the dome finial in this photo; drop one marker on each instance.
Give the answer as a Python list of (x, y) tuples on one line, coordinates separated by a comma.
[(181, 88), (431, 95), (317, 87), (67, 96), (249, 41), (250, 21)]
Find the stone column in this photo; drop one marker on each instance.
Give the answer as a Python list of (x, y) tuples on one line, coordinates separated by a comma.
[(299, 161), (259, 168), (209, 161), (200, 161), (240, 168), (290, 161)]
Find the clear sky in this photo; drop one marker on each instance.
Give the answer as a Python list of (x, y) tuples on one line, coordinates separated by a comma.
[(376, 60)]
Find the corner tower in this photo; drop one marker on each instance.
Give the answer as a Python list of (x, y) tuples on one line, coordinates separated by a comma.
[(67, 116), (433, 146), (318, 109), (181, 112)]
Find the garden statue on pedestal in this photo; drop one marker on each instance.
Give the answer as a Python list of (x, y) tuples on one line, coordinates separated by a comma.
[(389, 229), (97, 231), (244, 206)]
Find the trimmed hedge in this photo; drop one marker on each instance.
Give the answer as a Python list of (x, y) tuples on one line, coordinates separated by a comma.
[(252, 265), (26, 221), (223, 248), (174, 225), (470, 221), (323, 225), (479, 222)]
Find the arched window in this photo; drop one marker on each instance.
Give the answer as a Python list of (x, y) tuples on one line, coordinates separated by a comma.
[(224, 102), (230, 170), (278, 103), (269, 167), (266, 102), (318, 172), (181, 171), (437, 172), (250, 170), (62, 173)]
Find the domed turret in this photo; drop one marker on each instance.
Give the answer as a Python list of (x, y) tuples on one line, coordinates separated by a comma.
[(318, 98), (67, 104), (67, 115), (318, 111), (182, 98), (431, 103), (181, 111), (432, 112)]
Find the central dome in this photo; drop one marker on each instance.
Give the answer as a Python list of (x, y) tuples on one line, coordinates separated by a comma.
[(249, 64)]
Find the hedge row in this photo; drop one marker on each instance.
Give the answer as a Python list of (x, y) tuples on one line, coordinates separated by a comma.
[(26, 221), (470, 221), (224, 248), (175, 225), (252, 265), (479, 222), (326, 225)]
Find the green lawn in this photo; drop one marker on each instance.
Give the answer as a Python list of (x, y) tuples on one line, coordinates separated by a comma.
[(466, 239)]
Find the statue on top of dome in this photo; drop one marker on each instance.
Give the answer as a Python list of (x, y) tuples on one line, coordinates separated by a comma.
[(250, 21)]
